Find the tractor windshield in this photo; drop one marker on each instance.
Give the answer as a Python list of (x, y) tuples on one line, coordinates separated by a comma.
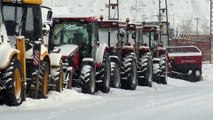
[(103, 36), (71, 33), (131, 37), (148, 39)]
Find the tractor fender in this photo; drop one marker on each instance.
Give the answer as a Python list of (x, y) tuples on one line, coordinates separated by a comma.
[(44, 52), (115, 59), (88, 61), (55, 59), (100, 53), (7, 52)]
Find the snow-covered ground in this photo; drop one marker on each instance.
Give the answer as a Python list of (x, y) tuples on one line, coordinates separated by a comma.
[(179, 100)]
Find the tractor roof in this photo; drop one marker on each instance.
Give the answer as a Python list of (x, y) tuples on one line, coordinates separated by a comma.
[(134, 26), (37, 2), (108, 24), (75, 19)]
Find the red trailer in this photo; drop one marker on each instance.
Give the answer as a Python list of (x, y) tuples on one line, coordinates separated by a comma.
[(185, 61)]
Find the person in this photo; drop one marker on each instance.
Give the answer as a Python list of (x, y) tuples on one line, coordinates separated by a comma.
[(78, 39)]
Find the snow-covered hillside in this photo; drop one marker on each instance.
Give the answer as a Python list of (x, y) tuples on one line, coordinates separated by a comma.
[(179, 100), (138, 10)]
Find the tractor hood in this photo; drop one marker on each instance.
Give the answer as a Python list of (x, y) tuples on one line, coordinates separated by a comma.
[(68, 50)]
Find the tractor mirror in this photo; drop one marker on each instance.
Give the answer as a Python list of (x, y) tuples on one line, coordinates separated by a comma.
[(156, 36), (49, 15)]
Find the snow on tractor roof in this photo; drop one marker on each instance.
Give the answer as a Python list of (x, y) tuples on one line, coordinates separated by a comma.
[(37, 2), (76, 19)]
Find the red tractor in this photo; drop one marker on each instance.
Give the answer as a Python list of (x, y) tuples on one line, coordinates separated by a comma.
[(158, 52), (122, 54), (186, 62), (135, 36), (78, 41)]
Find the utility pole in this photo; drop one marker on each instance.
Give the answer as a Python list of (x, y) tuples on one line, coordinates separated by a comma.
[(113, 13), (163, 21), (197, 25), (211, 28)]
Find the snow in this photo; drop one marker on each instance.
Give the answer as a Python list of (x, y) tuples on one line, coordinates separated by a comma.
[(179, 100), (137, 10), (68, 49)]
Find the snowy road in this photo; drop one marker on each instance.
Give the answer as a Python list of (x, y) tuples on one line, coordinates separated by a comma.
[(179, 100)]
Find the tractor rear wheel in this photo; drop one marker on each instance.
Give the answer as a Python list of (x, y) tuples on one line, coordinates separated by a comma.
[(105, 72), (87, 77), (156, 70), (13, 76), (145, 70), (129, 73), (115, 75), (163, 69)]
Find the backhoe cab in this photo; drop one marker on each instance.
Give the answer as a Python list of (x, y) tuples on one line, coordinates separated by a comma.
[(44, 70), (12, 77)]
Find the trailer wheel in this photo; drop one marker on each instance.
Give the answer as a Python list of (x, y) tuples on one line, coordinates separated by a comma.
[(88, 79), (129, 73), (60, 79), (115, 75), (163, 69), (13, 76), (196, 75), (145, 70), (44, 79), (105, 72)]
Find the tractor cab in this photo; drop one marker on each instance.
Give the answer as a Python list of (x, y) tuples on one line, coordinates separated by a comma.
[(79, 32), (134, 35)]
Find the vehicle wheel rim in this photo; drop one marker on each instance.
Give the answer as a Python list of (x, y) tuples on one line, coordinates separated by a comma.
[(116, 78), (46, 77), (134, 70), (17, 83), (107, 74), (150, 73), (92, 78)]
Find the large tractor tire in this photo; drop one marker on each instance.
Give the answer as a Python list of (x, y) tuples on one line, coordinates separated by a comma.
[(104, 75), (13, 77), (115, 75), (145, 70), (43, 79), (156, 70), (87, 77), (129, 73), (163, 70)]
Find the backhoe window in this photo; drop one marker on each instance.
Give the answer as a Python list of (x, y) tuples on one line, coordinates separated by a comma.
[(21, 19), (71, 33), (12, 17)]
